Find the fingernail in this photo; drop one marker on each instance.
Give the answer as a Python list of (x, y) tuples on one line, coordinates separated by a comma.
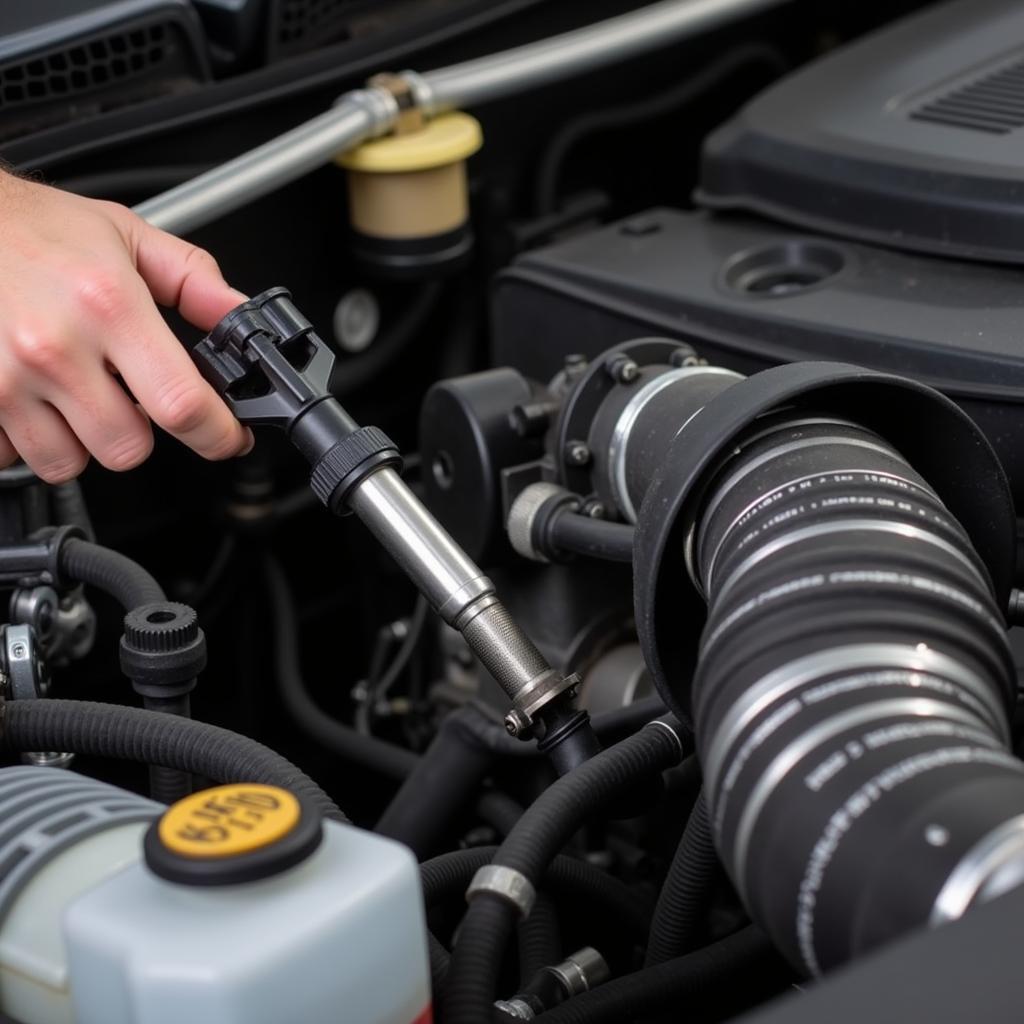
[(250, 445)]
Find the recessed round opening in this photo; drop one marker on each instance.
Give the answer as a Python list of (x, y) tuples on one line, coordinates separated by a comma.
[(158, 617), (787, 268), (443, 469)]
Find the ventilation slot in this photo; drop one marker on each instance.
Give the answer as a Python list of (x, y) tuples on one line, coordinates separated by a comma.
[(992, 104), (83, 67), (301, 23)]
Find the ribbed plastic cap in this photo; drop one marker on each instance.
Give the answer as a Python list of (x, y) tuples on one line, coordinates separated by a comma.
[(161, 627)]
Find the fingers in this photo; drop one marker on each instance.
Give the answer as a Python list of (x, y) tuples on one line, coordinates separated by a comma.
[(182, 275), (166, 383), (104, 418), (8, 453), (43, 439)]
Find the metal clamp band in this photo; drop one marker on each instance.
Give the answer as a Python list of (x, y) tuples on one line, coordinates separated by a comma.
[(505, 883), (660, 723)]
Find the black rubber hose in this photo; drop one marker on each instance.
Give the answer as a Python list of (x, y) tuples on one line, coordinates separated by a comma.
[(680, 988), (572, 532), (131, 586), (440, 963), (451, 770), (499, 810), (683, 904), (540, 939), (148, 737), (852, 693), (110, 571), (386, 759), (538, 836), (445, 878), (439, 788)]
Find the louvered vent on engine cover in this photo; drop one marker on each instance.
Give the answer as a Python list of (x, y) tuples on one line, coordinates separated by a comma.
[(301, 25), (993, 103), (100, 57)]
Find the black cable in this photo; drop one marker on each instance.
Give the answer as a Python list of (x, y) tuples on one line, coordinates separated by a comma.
[(377, 689), (385, 758), (149, 737), (218, 566), (543, 830), (682, 987), (353, 374), (682, 907), (648, 109)]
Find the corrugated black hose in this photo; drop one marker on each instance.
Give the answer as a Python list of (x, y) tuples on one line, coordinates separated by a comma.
[(683, 904), (543, 830), (149, 737)]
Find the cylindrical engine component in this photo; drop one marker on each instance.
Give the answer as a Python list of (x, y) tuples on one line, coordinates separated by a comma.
[(408, 197), (852, 694), (637, 422), (466, 440), (236, 914)]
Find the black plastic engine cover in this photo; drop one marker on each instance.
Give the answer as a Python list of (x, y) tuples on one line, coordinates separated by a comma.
[(912, 137), (747, 295)]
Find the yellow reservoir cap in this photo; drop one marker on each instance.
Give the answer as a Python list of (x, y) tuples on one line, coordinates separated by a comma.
[(228, 821), (445, 140)]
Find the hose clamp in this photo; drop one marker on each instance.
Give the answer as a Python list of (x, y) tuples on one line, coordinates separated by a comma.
[(660, 723), (584, 970), (507, 884), (535, 695), (518, 1009)]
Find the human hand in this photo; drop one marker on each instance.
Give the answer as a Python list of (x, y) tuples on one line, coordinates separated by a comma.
[(79, 283)]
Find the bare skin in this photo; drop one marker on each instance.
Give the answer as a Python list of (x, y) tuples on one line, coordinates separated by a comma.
[(80, 281)]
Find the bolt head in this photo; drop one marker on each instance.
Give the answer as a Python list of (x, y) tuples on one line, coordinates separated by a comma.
[(516, 723), (684, 356), (627, 372), (577, 453)]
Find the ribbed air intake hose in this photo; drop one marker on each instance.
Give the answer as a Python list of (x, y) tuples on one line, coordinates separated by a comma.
[(852, 695)]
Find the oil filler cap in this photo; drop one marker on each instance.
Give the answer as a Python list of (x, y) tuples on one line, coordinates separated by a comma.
[(232, 834)]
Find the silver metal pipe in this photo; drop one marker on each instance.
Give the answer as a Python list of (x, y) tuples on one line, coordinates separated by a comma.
[(355, 118), (423, 549), (366, 113), (586, 49), (460, 593)]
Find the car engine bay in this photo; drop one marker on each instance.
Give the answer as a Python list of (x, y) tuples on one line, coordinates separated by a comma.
[(617, 618)]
